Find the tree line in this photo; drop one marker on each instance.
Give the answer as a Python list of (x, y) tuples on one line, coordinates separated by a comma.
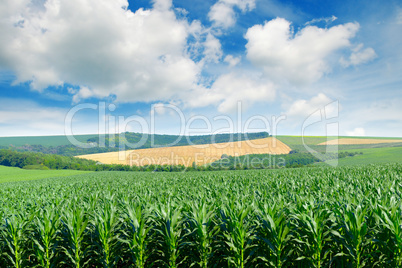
[(34, 160)]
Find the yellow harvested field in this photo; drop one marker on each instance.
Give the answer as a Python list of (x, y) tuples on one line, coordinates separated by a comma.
[(186, 155), (351, 141)]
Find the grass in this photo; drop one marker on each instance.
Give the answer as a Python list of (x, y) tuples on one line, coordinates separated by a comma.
[(11, 174)]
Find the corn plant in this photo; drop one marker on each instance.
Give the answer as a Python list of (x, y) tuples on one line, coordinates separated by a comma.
[(275, 232), (238, 233), (15, 234), (354, 234), (2, 242), (390, 218), (75, 230), (313, 226), (313, 217), (47, 226), (106, 222), (167, 221), (202, 226), (136, 233)]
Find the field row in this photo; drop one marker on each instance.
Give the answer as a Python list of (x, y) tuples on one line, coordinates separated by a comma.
[(318, 217)]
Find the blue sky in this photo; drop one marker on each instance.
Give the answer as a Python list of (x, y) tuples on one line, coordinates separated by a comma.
[(200, 66)]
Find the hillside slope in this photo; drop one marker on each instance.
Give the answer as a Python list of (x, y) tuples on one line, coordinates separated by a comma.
[(187, 155)]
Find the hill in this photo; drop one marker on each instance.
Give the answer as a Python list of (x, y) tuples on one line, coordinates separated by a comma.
[(129, 140), (187, 155), (371, 150), (42, 140), (354, 141)]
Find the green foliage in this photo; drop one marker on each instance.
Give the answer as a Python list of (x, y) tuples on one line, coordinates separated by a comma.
[(75, 235), (135, 232), (15, 235), (107, 222), (274, 233), (45, 235), (31, 160), (315, 217), (38, 167)]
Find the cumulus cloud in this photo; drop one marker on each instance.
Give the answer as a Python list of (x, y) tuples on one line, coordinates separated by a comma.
[(304, 108), (299, 58), (82, 93), (159, 108), (99, 45), (231, 88), (359, 56), (359, 131), (223, 15), (232, 61), (212, 49)]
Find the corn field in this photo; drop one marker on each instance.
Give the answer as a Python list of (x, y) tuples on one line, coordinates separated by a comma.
[(311, 217)]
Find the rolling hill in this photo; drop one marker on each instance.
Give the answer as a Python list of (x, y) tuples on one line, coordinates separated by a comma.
[(187, 155)]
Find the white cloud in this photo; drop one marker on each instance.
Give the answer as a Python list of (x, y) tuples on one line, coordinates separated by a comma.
[(212, 49), (232, 61), (359, 131), (162, 4), (26, 118), (98, 44), (327, 20), (231, 88), (359, 56), (222, 13), (82, 93), (243, 5), (299, 58), (304, 108), (159, 108)]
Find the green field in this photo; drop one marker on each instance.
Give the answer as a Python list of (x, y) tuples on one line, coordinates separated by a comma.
[(9, 174), (307, 217), (371, 156), (372, 153), (296, 142)]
